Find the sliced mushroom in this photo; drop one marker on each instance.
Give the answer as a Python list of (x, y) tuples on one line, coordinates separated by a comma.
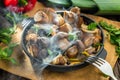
[(75, 10), (54, 30), (43, 42), (43, 53), (41, 17), (50, 13), (79, 19), (45, 15), (81, 46), (97, 36), (69, 17), (58, 20), (59, 41), (90, 50), (60, 35), (63, 44), (79, 22), (72, 52), (66, 28), (89, 41), (96, 33), (73, 17), (97, 39), (33, 49), (31, 36), (59, 60)]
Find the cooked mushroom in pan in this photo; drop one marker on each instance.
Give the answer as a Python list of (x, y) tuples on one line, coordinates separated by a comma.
[(66, 35)]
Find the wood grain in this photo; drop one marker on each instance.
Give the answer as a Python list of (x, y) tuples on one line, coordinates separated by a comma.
[(25, 69)]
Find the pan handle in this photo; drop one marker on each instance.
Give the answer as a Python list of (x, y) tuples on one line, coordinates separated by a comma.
[(103, 54)]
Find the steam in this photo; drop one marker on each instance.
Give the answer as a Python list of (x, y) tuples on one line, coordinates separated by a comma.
[(50, 38), (51, 44)]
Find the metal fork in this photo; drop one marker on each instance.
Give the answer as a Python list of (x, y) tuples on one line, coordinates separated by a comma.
[(102, 65), (26, 22)]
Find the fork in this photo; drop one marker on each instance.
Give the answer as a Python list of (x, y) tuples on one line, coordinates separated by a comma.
[(102, 65), (26, 22)]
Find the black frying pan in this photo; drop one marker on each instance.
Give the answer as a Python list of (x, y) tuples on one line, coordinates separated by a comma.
[(61, 68)]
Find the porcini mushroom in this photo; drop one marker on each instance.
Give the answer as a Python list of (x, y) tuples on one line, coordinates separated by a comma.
[(72, 52)]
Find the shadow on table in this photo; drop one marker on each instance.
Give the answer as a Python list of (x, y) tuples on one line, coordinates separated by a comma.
[(8, 76)]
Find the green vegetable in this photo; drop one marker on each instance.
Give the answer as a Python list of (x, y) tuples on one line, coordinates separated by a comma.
[(22, 2), (114, 35), (58, 3), (13, 60), (113, 38), (98, 7), (50, 32), (118, 49), (49, 52), (97, 44), (117, 32), (92, 26), (5, 35), (5, 53), (35, 28), (9, 16), (108, 7), (84, 4), (73, 60), (72, 36)]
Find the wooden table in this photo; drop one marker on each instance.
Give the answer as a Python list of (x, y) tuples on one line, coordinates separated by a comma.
[(25, 69)]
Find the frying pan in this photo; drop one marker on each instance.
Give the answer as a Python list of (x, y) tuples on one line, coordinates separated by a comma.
[(62, 68)]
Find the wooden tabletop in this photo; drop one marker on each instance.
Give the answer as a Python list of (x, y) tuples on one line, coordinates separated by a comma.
[(25, 69)]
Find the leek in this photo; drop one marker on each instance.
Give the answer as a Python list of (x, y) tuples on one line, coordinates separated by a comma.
[(84, 4), (98, 7)]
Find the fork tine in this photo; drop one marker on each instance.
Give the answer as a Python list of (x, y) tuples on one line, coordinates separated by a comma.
[(91, 59), (96, 65), (102, 60), (26, 22), (94, 60)]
